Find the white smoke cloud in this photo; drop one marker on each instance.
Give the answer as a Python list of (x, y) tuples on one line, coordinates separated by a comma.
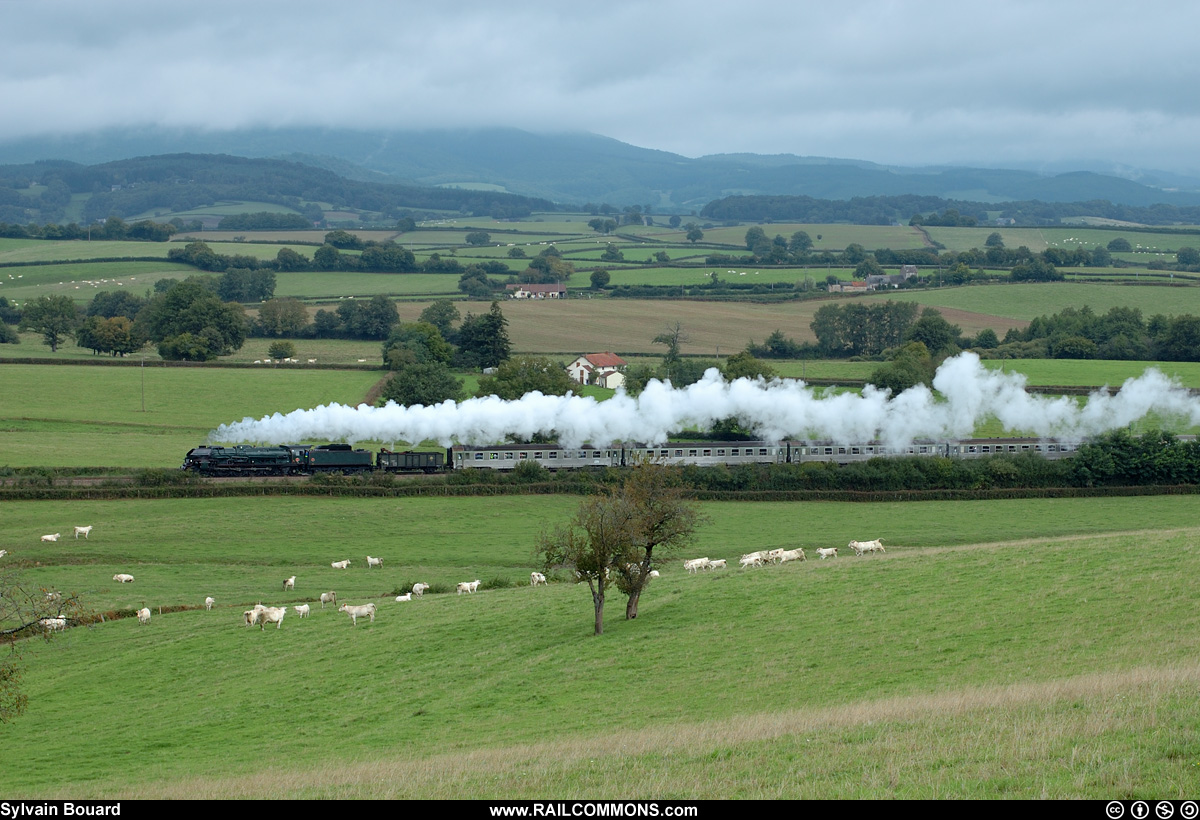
[(774, 410)]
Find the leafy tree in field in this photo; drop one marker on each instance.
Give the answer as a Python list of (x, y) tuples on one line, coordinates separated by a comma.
[(326, 257), (1179, 340), (516, 253), (8, 334), (674, 221), (867, 267), (755, 236), (612, 254), (986, 339), (290, 260), (242, 285), (1073, 347), (612, 539), (1120, 245), (800, 242), (282, 349), (442, 314), (344, 240), (674, 337), (108, 304), (932, 330), (694, 234), (854, 254), (424, 384), (9, 312), (283, 317), (745, 365), (190, 309), (600, 277), (909, 366), (994, 240), (372, 320), (55, 317), (519, 375), (478, 238), (418, 342), (1188, 256), (1101, 258)]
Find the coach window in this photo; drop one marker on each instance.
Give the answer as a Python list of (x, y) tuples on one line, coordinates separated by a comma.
[(707, 453), (987, 448), (856, 451), (734, 452), (691, 453), (553, 454), (828, 451), (596, 454), (508, 456), (720, 452), (537, 455), (479, 456)]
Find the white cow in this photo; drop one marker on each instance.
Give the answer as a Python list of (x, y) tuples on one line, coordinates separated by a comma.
[(695, 564), (792, 555), (374, 562), (775, 556), (340, 564), (83, 530), (328, 598), (53, 624), (751, 560), (861, 547), (251, 616), (3, 553), (143, 615), (405, 597), (53, 537), (536, 578), (302, 610), (827, 553), (718, 564), (419, 589), (653, 573), (271, 615), (123, 578), (209, 602), (290, 583), (356, 612)]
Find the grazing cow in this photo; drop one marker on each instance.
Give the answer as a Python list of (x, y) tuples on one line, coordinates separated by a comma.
[(271, 615), (290, 583), (53, 537), (143, 615), (53, 624), (3, 553), (419, 589), (827, 553), (374, 562), (356, 612), (123, 578), (468, 586), (302, 610), (251, 616), (340, 564), (775, 556), (653, 573), (536, 578), (208, 603), (792, 555), (718, 564), (84, 531), (406, 597), (328, 598), (751, 560), (695, 564)]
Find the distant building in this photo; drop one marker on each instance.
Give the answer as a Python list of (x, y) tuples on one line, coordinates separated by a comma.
[(556, 291), (602, 369)]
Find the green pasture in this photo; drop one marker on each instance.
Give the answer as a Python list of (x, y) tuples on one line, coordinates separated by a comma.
[(1070, 237), (223, 208), (28, 250), (833, 237), (341, 284), (1024, 649), (83, 280), (1027, 302), (92, 416)]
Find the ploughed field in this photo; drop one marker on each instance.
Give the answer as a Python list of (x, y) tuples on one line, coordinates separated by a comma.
[(1034, 648)]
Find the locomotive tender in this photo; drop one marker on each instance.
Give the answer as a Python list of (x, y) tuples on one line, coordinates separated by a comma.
[(304, 459)]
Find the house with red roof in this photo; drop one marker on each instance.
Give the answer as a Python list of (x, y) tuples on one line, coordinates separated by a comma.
[(602, 369)]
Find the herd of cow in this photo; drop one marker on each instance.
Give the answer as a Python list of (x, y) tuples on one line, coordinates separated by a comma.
[(781, 556), (263, 615)]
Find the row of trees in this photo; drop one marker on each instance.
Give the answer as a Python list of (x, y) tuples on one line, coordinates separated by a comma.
[(112, 228), (1121, 333)]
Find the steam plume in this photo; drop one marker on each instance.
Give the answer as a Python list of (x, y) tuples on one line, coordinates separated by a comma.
[(774, 410)]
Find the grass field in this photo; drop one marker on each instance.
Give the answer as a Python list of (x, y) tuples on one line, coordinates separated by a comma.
[(999, 650), (72, 416), (1026, 302)]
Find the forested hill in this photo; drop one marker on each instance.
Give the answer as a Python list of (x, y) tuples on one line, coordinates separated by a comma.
[(886, 210), (578, 168), (181, 182)]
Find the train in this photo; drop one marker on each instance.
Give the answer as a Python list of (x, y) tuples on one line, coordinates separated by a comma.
[(305, 459)]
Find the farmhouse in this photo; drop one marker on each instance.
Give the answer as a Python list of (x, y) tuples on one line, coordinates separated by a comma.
[(602, 369), (555, 291)]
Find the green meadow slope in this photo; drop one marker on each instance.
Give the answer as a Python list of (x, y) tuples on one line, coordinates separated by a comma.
[(1039, 648)]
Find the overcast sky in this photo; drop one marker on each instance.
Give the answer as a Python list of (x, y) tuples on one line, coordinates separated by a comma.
[(894, 82)]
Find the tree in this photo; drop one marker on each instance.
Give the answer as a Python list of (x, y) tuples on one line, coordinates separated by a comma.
[(54, 317), (910, 365), (694, 234), (1187, 256), (600, 277), (854, 254), (21, 609), (425, 384), (478, 238), (934, 332), (516, 253), (524, 374), (674, 221), (754, 237), (442, 314), (282, 349), (418, 342), (800, 242), (1120, 245), (612, 254), (745, 365), (283, 317), (612, 538), (673, 337), (483, 340), (994, 240), (190, 308)]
